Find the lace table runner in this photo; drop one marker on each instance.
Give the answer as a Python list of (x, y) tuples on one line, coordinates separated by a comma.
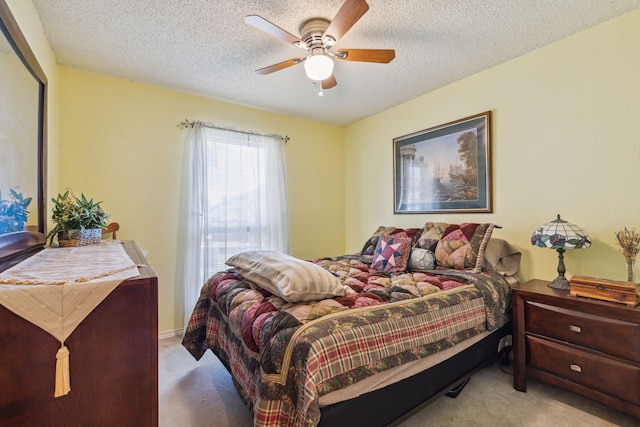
[(57, 288)]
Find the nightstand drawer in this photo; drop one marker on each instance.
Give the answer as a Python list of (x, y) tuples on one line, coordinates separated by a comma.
[(606, 375), (596, 332)]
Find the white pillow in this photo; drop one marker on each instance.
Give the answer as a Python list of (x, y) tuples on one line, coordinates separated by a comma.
[(421, 259), (290, 278)]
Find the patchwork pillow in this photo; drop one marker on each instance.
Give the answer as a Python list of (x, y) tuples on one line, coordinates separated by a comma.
[(370, 245), (459, 246), (431, 235), (292, 279), (421, 259), (392, 253)]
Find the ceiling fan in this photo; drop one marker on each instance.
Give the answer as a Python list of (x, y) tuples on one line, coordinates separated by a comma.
[(317, 37)]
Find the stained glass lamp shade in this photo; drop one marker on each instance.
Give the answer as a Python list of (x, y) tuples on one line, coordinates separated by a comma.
[(560, 235)]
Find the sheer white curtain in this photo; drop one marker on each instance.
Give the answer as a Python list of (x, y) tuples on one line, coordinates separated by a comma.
[(234, 199)]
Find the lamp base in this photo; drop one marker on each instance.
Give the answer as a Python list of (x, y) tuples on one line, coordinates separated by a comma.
[(560, 282)]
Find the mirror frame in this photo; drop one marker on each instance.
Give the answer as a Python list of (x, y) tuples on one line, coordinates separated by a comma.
[(14, 247)]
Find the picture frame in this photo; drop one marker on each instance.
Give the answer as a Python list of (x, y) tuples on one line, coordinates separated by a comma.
[(444, 169)]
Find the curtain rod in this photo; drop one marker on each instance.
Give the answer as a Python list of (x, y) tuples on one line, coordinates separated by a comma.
[(190, 123)]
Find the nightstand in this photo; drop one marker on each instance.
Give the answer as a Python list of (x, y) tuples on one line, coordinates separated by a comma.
[(584, 345)]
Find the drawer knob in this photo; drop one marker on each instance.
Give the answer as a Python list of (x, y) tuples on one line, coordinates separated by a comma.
[(574, 328), (576, 368)]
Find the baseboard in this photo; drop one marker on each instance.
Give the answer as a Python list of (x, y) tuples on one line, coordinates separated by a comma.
[(170, 334)]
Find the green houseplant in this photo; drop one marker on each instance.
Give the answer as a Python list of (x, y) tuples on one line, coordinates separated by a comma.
[(77, 220), (13, 212)]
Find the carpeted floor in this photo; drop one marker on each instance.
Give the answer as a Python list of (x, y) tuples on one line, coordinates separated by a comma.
[(195, 394)]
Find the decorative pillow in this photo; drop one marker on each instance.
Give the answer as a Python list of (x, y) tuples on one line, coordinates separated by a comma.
[(459, 246), (370, 245), (421, 259), (392, 253), (290, 278), (501, 256), (431, 235)]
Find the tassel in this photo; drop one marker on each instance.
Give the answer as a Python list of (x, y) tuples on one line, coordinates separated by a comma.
[(63, 383)]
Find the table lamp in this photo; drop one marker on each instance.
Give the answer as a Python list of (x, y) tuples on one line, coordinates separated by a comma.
[(560, 235)]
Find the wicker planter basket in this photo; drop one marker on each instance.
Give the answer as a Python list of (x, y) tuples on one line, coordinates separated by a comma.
[(79, 237)]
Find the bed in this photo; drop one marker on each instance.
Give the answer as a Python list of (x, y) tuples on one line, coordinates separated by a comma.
[(364, 338)]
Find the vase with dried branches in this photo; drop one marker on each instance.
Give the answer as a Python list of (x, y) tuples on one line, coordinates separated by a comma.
[(629, 242)]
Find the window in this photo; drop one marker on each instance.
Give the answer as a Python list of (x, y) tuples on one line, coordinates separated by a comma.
[(235, 188)]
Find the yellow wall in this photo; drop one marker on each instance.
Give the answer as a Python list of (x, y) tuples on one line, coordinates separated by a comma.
[(566, 139), (119, 142)]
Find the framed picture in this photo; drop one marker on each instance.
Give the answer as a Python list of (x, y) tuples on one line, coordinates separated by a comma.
[(444, 169)]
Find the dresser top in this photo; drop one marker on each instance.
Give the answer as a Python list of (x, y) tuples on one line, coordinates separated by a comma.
[(540, 291), (136, 255)]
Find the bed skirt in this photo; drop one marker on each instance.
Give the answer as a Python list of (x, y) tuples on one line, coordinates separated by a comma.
[(395, 403)]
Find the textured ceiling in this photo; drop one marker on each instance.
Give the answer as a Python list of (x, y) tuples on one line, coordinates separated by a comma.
[(204, 47)]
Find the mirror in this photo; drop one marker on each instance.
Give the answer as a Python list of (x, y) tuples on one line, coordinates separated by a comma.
[(22, 144)]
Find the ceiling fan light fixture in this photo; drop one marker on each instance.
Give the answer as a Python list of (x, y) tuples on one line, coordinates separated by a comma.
[(318, 66), (318, 36)]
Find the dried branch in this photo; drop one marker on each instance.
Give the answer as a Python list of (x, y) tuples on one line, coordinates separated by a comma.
[(629, 242)]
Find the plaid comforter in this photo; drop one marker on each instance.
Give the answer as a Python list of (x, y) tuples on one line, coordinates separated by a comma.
[(284, 356)]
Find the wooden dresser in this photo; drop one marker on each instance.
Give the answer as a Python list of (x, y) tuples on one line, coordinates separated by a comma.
[(113, 362), (587, 346)]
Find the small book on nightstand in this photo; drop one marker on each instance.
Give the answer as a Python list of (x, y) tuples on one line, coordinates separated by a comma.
[(607, 290)]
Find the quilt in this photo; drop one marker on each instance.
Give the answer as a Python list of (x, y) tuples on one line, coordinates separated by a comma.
[(284, 356)]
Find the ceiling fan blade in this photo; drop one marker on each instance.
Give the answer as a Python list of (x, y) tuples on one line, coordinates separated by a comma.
[(383, 56), (329, 82), (272, 29), (350, 12), (279, 66)]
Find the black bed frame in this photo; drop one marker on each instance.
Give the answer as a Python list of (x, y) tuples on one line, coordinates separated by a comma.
[(395, 403)]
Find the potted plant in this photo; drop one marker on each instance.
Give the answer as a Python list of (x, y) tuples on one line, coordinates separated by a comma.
[(77, 220), (13, 212)]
